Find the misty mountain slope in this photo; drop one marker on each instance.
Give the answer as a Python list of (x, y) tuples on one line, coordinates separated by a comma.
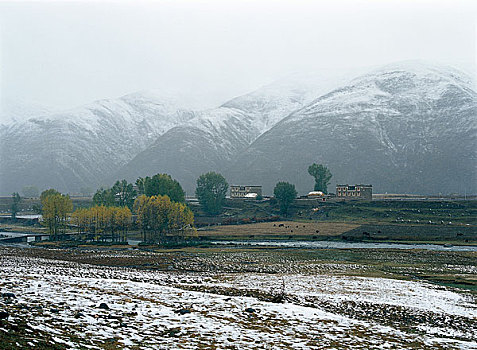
[(214, 138), (16, 111), (408, 127), (188, 150), (76, 148)]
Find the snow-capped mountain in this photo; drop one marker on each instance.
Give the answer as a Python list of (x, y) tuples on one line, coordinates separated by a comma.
[(407, 127), (77, 148), (214, 138)]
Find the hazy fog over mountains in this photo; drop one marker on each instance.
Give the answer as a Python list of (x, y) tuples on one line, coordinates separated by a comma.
[(407, 127), (380, 92)]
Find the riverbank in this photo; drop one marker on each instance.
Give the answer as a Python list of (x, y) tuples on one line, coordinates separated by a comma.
[(344, 232), (312, 234)]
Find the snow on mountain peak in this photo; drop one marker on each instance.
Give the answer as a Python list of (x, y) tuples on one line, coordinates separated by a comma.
[(423, 69), (155, 130)]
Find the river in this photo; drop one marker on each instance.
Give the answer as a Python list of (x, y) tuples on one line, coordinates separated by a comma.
[(346, 245), (312, 244)]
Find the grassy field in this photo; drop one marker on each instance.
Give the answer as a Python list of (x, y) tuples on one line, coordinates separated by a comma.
[(430, 212), (278, 229), (402, 212), (452, 222), (439, 234), (344, 231)]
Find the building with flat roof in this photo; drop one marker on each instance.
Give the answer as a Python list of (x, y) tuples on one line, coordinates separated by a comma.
[(354, 192), (237, 191)]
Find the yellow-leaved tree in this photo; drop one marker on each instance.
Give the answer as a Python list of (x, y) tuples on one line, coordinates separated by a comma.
[(158, 217), (56, 209), (103, 222), (181, 220), (141, 208)]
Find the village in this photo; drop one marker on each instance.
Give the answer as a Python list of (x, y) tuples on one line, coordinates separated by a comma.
[(389, 216)]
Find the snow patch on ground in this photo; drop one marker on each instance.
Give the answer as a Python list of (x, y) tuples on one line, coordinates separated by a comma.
[(144, 309)]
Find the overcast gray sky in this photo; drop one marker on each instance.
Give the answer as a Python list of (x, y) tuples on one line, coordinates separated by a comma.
[(65, 54)]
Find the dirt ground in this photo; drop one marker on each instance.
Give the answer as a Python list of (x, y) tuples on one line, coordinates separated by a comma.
[(280, 229)]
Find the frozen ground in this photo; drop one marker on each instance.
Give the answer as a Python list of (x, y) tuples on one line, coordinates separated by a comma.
[(57, 304)]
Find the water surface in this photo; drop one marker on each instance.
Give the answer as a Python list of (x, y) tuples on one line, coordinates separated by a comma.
[(344, 245)]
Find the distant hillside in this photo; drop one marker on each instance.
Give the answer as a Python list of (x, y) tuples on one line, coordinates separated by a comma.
[(408, 128), (215, 138), (77, 148), (405, 128)]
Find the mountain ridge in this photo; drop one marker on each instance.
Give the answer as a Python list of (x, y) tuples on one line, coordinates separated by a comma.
[(211, 140), (388, 102), (73, 149), (398, 113)]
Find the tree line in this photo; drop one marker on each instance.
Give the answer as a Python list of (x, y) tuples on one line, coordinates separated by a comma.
[(158, 202), (99, 221)]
